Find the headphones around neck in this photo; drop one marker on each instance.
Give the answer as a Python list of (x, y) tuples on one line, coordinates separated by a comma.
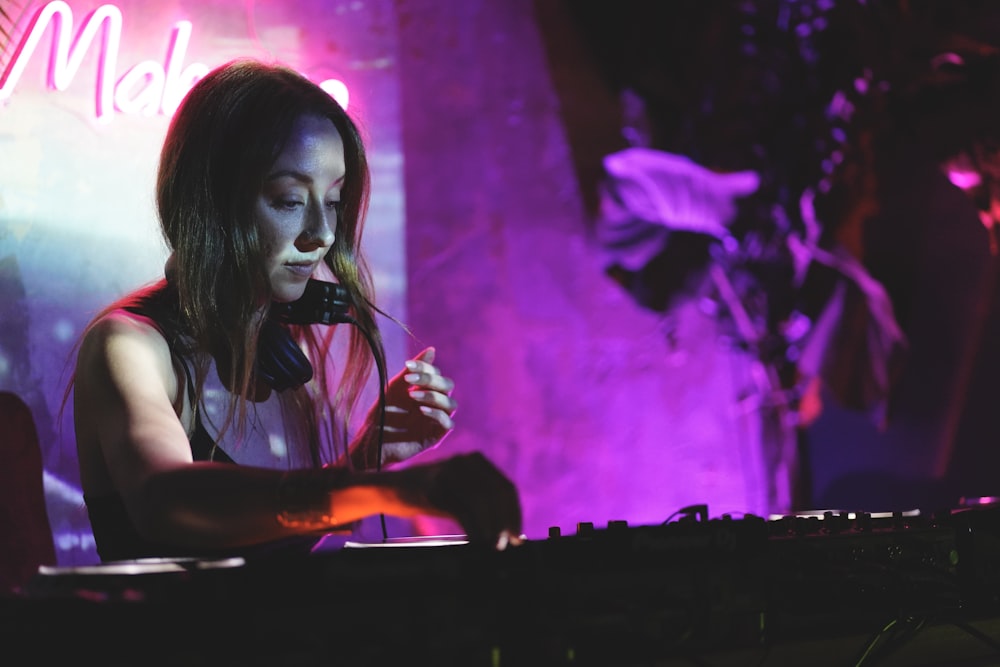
[(280, 361)]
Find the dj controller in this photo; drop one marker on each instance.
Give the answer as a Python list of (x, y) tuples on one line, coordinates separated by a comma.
[(812, 589)]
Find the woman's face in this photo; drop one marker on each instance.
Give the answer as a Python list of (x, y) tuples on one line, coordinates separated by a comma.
[(296, 209)]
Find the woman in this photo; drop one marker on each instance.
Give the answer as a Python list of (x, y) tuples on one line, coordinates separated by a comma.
[(262, 186)]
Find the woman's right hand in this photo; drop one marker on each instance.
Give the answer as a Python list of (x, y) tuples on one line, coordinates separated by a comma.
[(470, 489)]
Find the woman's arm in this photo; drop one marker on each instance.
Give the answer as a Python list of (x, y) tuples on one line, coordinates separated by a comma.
[(129, 416), (126, 392)]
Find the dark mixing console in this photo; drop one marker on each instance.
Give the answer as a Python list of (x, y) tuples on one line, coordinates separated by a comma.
[(812, 589)]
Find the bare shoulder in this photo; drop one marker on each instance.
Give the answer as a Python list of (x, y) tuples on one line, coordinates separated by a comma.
[(122, 329), (127, 404), (124, 323), (122, 344)]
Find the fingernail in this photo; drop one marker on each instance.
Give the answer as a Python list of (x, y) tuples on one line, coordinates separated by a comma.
[(411, 377), (412, 365)]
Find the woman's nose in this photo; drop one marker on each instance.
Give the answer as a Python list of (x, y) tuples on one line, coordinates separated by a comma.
[(321, 227)]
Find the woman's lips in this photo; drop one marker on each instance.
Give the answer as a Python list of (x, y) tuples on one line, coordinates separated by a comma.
[(302, 270)]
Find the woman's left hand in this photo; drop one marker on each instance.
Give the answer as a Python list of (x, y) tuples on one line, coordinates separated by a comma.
[(419, 410)]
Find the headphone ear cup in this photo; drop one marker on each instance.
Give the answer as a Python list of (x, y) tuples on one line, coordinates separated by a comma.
[(280, 361)]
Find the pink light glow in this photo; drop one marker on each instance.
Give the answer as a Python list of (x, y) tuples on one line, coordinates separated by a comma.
[(337, 90), (966, 179), (147, 88)]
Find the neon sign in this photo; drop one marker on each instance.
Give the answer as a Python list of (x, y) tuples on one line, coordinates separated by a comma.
[(148, 88)]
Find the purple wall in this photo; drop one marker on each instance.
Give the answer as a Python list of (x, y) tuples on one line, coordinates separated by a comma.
[(598, 410)]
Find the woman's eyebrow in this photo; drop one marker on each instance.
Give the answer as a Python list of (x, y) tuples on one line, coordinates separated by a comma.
[(297, 175), (282, 173)]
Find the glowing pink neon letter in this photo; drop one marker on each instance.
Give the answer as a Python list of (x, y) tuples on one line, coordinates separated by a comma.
[(65, 58), (164, 87)]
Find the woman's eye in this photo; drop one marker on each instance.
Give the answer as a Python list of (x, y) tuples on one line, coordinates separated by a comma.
[(286, 204)]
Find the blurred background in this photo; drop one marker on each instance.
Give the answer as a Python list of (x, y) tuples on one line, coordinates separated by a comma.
[(739, 255)]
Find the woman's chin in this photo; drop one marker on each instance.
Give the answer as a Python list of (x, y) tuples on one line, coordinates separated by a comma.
[(287, 293)]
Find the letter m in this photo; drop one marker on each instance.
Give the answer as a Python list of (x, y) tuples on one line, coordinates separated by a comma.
[(68, 52)]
